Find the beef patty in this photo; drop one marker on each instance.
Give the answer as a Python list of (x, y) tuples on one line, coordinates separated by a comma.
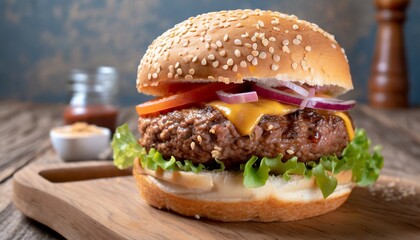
[(202, 134)]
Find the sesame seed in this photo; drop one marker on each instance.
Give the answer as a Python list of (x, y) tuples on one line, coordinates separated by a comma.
[(290, 151), (212, 130), (294, 66), (207, 46), (254, 62), (265, 42), (177, 65), (230, 62), (271, 50), (262, 55), (210, 78), (222, 53), (192, 145), (296, 41), (215, 64), (286, 31), (191, 71), (226, 25), (237, 53), (170, 75), (225, 67), (199, 139), (188, 77), (261, 23), (254, 53), (286, 49), (299, 37), (194, 59), (149, 76), (244, 16), (285, 42), (245, 35), (276, 58), (235, 68), (154, 75), (333, 46), (249, 58), (211, 57), (295, 26), (276, 29), (185, 43), (254, 46), (171, 68), (203, 62), (343, 51), (243, 64), (248, 45), (274, 67), (254, 38), (308, 48), (219, 43), (225, 37), (176, 76), (179, 71), (237, 42), (215, 154)]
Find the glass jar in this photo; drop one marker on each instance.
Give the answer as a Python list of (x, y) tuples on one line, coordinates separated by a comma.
[(93, 97)]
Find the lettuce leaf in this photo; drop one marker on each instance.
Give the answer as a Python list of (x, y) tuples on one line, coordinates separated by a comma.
[(365, 166), (356, 157), (127, 149)]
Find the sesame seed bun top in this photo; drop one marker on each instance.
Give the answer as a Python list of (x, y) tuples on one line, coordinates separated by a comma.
[(233, 46)]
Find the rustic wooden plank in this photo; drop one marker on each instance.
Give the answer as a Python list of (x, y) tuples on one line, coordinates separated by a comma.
[(406, 120), (8, 109), (14, 225), (401, 151), (26, 136)]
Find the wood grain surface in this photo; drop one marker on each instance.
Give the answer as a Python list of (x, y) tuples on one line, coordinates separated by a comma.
[(24, 129), (93, 200)]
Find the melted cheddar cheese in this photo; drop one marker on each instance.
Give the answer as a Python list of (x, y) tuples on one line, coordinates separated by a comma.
[(244, 116)]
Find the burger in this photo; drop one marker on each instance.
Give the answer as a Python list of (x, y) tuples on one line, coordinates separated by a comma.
[(246, 124)]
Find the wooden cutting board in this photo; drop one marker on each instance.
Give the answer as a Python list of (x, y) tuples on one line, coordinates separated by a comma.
[(94, 200)]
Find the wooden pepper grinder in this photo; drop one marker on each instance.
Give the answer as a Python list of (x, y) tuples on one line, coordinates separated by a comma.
[(388, 83)]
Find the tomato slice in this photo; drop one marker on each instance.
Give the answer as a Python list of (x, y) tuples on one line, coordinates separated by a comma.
[(202, 93)]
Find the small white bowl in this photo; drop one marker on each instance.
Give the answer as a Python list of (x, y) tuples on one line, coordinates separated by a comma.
[(79, 147)]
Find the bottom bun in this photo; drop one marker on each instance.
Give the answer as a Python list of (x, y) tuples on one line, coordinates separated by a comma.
[(221, 196)]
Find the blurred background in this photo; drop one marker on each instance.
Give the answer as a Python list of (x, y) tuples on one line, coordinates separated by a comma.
[(42, 40)]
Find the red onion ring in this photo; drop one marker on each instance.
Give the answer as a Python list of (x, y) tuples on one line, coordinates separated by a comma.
[(312, 102), (234, 98), (296, 88)]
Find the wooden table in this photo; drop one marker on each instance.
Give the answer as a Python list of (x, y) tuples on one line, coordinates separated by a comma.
[(24, 140)]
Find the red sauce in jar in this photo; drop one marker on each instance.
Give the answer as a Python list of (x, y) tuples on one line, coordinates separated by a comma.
[(99, 115)]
